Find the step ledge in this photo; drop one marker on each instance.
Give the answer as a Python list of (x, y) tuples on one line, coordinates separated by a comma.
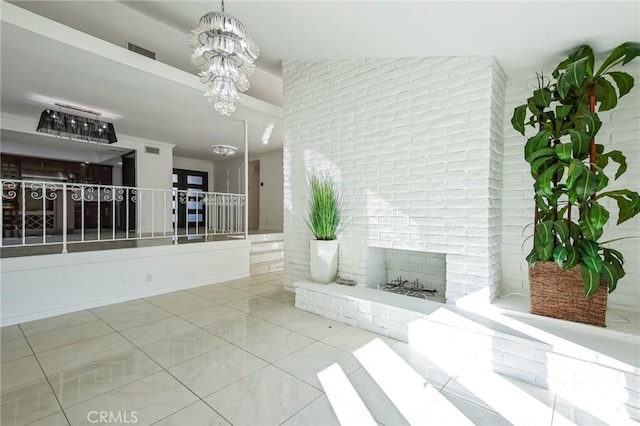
[(484, 323), (259, 238), (266, 263), (260, 253)]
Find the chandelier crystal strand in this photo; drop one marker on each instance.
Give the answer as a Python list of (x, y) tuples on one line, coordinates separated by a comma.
[(225, 56)]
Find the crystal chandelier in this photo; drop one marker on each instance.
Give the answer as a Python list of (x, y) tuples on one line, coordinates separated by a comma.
[(224, 150), (224, 55)]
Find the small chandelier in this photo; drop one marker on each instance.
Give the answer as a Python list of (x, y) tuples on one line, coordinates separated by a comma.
[(224, 150), (73, 126), (224, 55)]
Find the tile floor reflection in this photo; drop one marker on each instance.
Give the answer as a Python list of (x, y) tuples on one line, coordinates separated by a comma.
[(237, 353)]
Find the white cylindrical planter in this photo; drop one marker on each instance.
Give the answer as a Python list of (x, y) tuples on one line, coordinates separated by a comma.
[(323, 260)]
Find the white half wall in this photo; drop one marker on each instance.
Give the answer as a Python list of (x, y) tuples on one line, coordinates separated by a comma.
[(37, 287), (620, 131)]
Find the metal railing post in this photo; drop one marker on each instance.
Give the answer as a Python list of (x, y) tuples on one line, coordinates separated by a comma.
[(126, 218), (44, 213), (24, 215), (246, 180), (65, 218), (164, 213), (175, 217), (99, 211), (153, 212)]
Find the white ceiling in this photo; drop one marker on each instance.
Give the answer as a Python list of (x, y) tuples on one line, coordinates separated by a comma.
[(49, 146), (140, 104), (520, 34)]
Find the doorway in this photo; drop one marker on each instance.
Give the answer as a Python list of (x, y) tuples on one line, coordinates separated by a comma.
[(190, 212), (254, 194)]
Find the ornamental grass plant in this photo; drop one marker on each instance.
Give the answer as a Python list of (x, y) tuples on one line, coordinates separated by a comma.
[(325, 206)]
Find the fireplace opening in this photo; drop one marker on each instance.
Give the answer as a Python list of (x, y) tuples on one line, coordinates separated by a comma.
[(409, 288), (407, 272)]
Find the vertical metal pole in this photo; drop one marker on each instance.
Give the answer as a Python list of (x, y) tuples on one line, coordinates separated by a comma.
[(44, 213), (175, 216), (215, 219), (126, 219), (64, 218), (164, 213), (139, 212), (24, 214), (197, 212), (113, 213), (153, 212), (246, 179), (82, 212), (205, 213), (186, 211), (99, 211)]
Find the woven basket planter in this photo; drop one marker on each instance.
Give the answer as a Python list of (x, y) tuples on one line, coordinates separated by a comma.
[(557, 293)]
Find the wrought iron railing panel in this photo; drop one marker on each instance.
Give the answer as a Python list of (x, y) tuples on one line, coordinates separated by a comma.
[(39, 212)]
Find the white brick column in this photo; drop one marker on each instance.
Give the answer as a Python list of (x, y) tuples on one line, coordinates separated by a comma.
[(415, 147)]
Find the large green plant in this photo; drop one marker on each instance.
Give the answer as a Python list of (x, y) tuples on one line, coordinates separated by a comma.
[(568, 166), (325, 207)]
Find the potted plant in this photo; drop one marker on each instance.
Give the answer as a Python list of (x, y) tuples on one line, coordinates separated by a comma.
[(324, 220), (570, 268)]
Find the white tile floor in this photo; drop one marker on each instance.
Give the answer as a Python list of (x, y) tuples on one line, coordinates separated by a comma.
[(231, 353)]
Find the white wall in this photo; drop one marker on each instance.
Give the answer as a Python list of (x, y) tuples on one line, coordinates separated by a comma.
[(37, 287), (153, 171), (197, 165), (271, 190), (620, 130), (414, 145), (228, 175)]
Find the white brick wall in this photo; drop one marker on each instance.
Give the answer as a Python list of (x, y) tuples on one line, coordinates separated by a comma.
[(415, 145), (621, 131)]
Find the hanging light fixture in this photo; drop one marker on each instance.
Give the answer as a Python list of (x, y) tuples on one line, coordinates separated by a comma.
[(224, 55), (73, 126), (224, 150)]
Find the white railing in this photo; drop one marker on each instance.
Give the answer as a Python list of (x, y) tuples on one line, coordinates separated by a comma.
[(40, 213)]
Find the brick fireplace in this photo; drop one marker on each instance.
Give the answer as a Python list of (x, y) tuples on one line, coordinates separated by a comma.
[(416, 146), (426, 272)]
